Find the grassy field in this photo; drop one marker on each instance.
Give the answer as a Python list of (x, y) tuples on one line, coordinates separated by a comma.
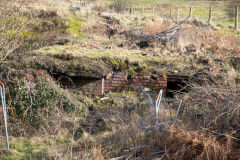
[(222, 14)]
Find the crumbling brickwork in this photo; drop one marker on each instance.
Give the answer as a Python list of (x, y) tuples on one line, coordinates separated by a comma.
[(120, 81)]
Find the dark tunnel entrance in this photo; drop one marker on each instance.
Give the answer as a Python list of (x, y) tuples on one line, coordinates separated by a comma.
[(176, 84), (74, 82)]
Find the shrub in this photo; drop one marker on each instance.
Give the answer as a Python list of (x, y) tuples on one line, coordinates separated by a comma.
[(120, 5), (12, 24), (38, 100), (23, 30)]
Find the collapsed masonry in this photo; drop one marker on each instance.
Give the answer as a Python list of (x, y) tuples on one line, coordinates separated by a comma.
[(116, 81)]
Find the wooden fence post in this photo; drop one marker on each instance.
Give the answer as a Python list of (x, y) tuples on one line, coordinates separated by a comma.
[(210, 16), (236, 18), (142, 10), (132, 10), (153, 10), (177, 14), (190, 15), (113, 9)]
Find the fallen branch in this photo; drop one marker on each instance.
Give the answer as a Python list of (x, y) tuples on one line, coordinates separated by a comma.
[(164, 35)]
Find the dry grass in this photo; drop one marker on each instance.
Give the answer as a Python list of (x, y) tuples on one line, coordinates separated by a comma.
[(217, 104), (23, 29), (181, 144)]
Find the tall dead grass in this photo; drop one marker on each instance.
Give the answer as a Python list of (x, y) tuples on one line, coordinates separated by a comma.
[(181, 144), (215, 104)]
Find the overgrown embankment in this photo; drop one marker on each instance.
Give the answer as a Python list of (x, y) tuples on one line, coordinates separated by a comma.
[(66, 124)]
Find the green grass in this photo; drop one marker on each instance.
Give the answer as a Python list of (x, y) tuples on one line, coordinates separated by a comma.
[(25, 149), (79, 51), (75, 25), (222, 14)]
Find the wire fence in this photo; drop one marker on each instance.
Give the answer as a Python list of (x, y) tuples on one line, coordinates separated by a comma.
[(220, 14)]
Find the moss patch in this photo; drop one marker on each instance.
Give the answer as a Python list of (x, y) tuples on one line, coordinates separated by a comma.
[(75, 25)]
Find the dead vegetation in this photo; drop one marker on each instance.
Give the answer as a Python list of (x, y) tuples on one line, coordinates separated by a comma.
[(70, 125), (184, 144), (26, 29), (221, 104)]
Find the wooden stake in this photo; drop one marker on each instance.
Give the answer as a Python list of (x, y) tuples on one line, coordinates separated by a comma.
[(210, 16), (142, 10), (153, 10), (236, 18), (190, 14)]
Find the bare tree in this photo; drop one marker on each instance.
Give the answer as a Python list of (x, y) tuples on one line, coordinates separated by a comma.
[(12, 27)]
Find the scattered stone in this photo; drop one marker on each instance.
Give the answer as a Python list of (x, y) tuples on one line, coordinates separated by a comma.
[(109, 75), (210, 62), (146, 89), (191, 47)]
